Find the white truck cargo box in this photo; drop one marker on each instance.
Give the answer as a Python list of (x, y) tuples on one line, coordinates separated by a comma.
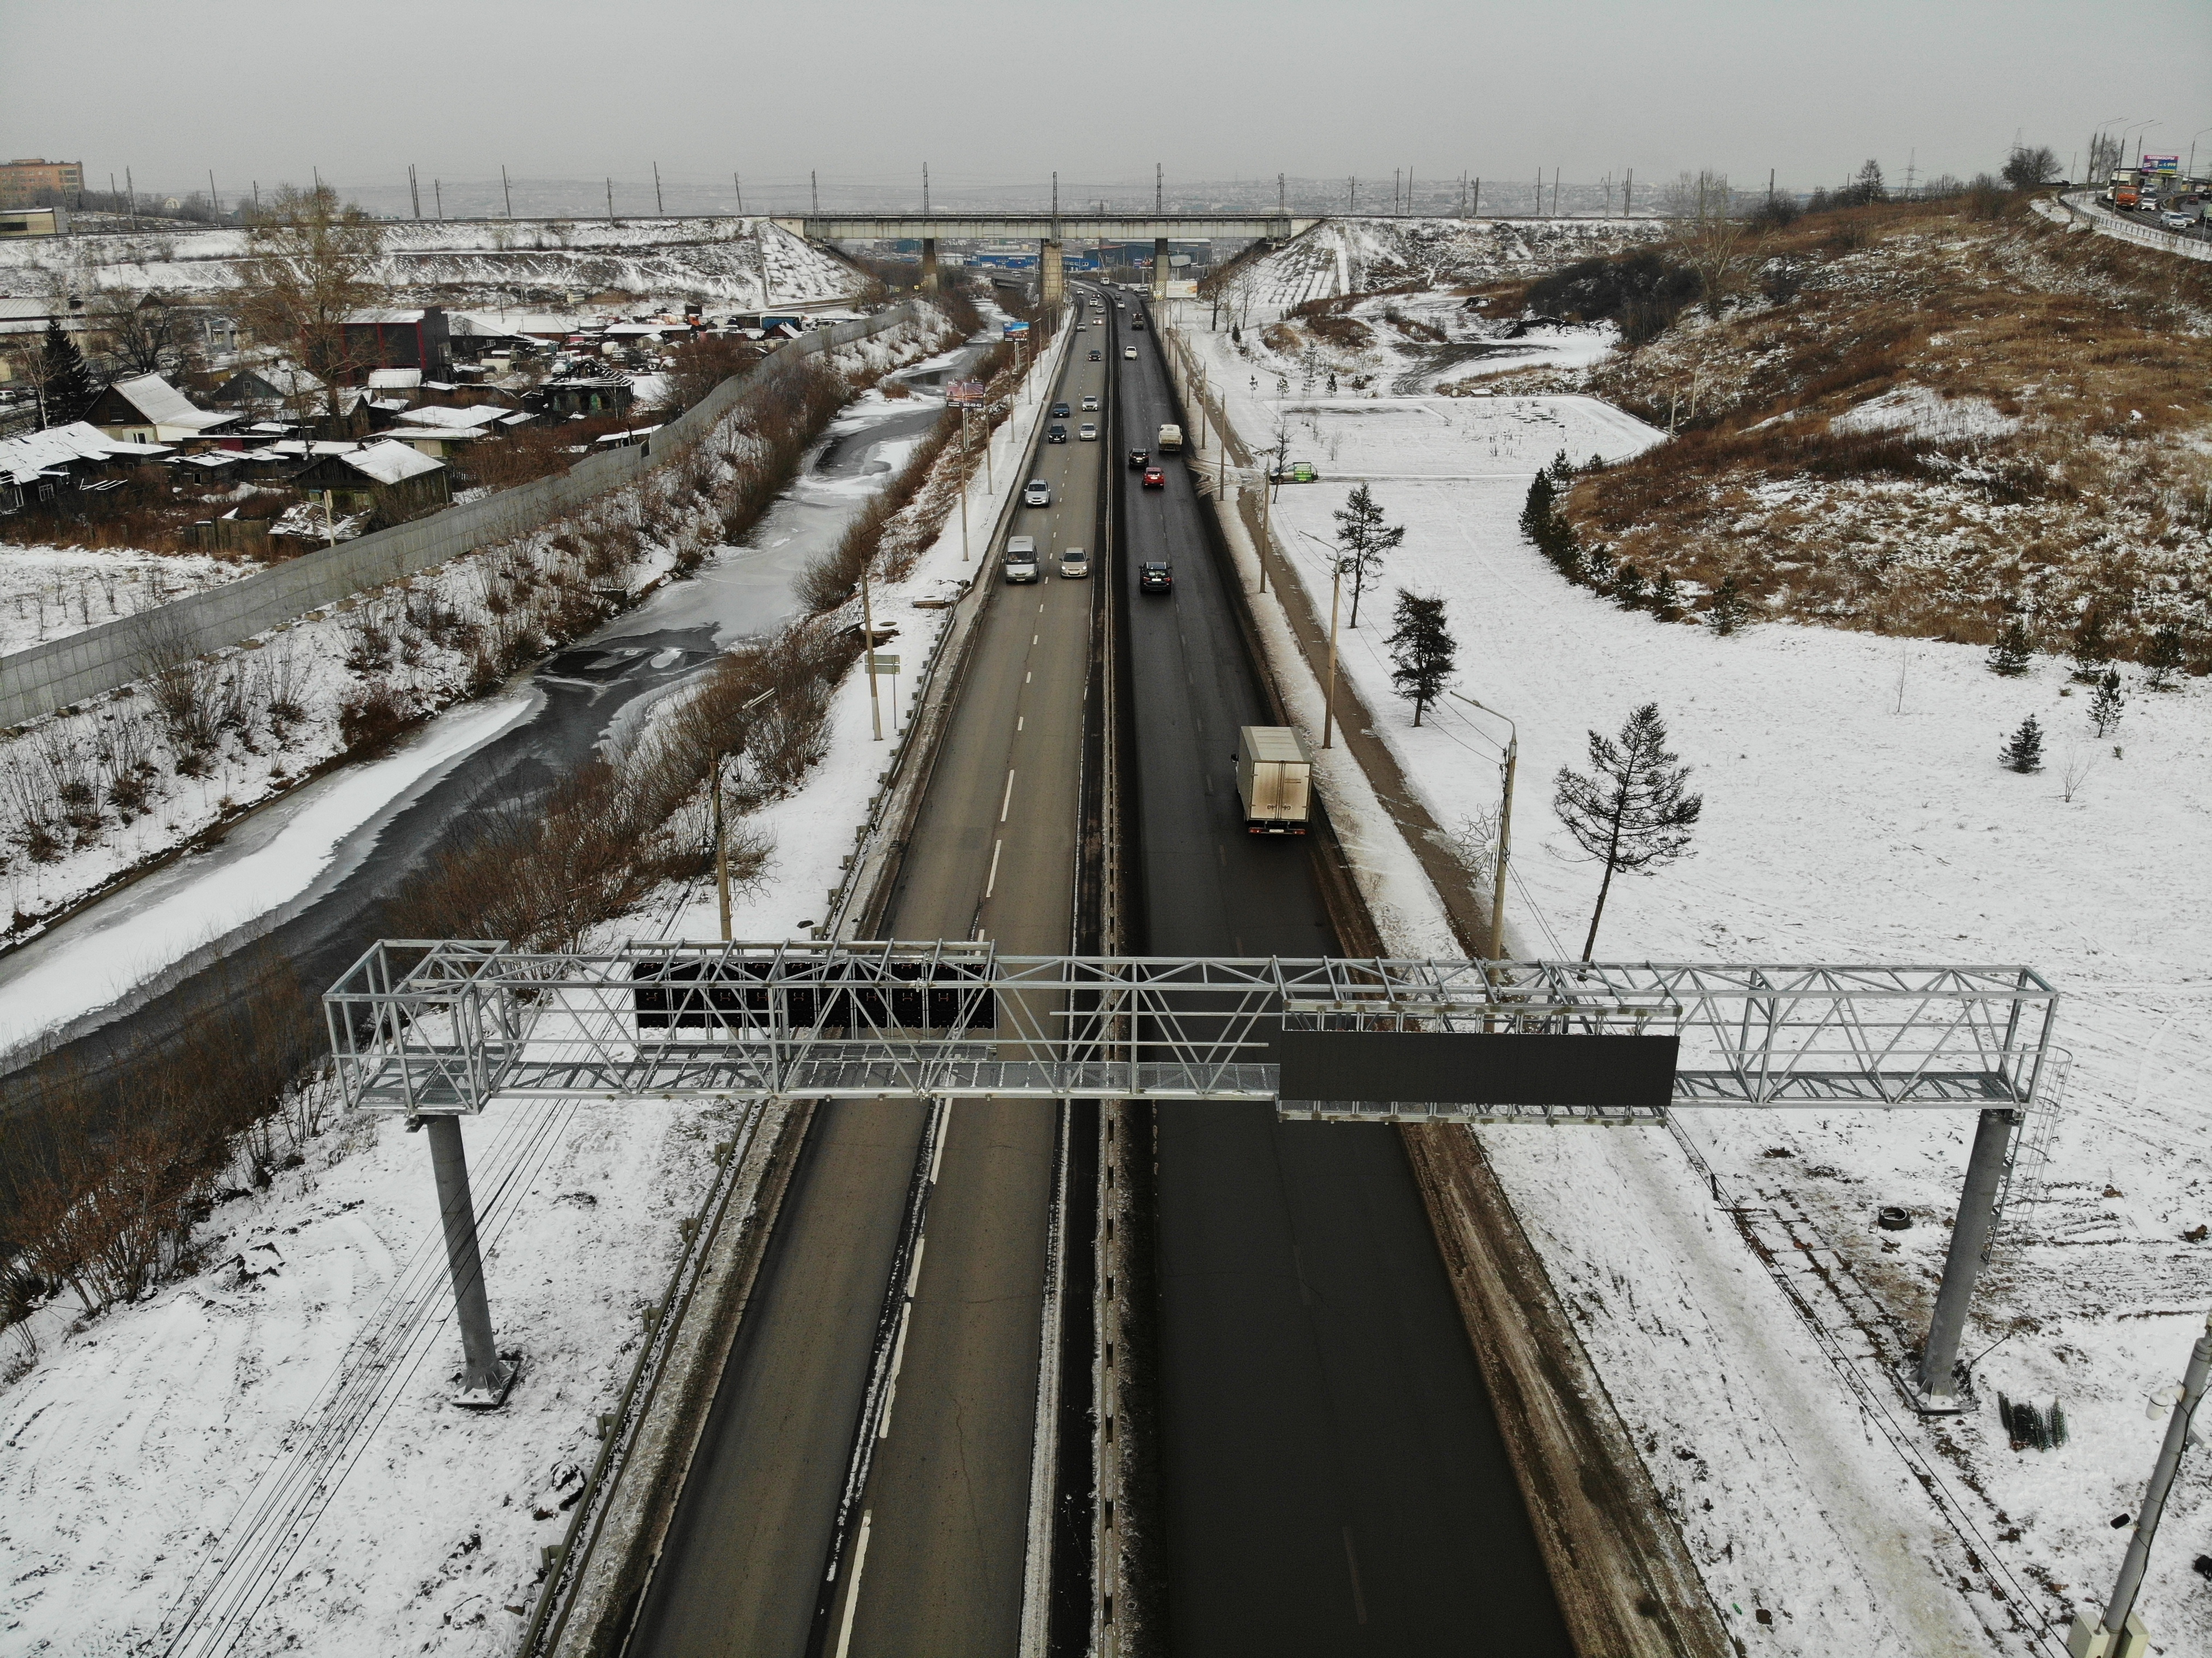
[(1274, 779)]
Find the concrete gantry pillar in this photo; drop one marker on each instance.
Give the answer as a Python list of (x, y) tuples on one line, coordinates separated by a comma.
[(1159, 267), (929, 277), (1937, 1389), (1052, 273), (486, 1376)]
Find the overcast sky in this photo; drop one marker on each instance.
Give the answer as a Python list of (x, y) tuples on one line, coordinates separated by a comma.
[(866, 90)]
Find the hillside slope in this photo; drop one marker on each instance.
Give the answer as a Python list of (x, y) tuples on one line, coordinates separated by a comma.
[(1914, 421), (747, 262)]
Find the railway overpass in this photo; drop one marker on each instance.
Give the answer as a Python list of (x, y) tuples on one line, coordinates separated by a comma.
[(1050, 231)]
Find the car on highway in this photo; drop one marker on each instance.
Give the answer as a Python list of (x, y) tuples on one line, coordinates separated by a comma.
[(1156, 577), (1087, 432), (1021, 558), (1038, 493), (1090, 400), (1094, 356), (2176, 221), (1055, 433), (1060, 412), (1155, 479), (1074, 564), (1139, 459), (1137, 322), (1130, 352)]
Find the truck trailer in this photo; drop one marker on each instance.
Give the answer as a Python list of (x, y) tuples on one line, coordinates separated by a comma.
[(1274, 779)]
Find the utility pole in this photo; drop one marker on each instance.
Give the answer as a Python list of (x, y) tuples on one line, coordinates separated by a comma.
[(1396, 197), (1282, 198), (507, 191), (814, 187), (1353, 206), (1769, 183), (415, 191), (2121, 1634), (737, 184), (437, 195), (1478, 196), (1555, 192), (721, 846), (1328, 705), (214, 200), (1537, 211), (131, 188), (925, 190), (964, 482), (1627, 188), (611, 201), (1159, 186), (868, 622), (659, 207)]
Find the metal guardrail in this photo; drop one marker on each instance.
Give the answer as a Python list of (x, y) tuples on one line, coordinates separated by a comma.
[(2106, 223)]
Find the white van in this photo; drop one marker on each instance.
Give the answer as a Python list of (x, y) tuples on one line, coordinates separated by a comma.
[(1021, 558)]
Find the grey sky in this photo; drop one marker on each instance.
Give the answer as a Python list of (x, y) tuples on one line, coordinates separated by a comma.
[(1000, 94)]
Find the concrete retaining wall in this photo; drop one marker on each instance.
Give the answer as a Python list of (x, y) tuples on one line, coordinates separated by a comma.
[(60, 672)]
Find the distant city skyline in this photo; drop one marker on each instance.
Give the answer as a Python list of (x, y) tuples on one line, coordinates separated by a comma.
[(852, 98)]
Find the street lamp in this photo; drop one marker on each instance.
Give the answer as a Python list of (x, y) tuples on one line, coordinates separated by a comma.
[(721, 846), (2193, 137), (1335, 589), (1504, 825)]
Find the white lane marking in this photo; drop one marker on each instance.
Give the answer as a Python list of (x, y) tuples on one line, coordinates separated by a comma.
[(1021, 720), (1007, 798), (997, 846), (1035, 637), (1027, 677), (853, 1594)]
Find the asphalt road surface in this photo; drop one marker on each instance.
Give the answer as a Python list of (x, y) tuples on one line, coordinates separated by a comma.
[(946, 1507), (1333, 1480)]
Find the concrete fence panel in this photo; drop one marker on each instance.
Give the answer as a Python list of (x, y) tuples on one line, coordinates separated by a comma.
[(61, 672)]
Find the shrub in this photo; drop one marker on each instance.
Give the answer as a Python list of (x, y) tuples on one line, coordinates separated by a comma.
[(371, 719)]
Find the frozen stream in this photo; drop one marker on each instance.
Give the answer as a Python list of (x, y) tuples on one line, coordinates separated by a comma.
[(311, 873)]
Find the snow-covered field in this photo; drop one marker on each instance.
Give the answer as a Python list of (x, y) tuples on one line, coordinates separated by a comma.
[(1356, 255), (1854, 810), (48, 592), (288, 1409)]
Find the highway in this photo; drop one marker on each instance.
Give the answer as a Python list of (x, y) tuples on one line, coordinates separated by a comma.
[(1333, 1479), (931, 1561)]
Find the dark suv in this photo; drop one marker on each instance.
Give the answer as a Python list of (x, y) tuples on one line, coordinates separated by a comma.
[(1139, 459), (1155, 578), (1056, 435)]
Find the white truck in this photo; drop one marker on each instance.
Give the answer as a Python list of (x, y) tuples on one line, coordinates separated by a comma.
[(1170, 441), (1274, 779)]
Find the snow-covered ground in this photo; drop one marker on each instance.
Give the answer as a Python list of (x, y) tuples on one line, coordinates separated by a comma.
[(1853, 810), (738, 261), (286, 1405), (1357, 255), (47, 593)]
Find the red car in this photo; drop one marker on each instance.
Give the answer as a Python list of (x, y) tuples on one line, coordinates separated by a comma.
[(1155, 479)]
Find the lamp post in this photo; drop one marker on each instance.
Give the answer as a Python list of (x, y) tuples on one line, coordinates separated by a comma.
[(1336, 593), (1504, 825), (722, 845)]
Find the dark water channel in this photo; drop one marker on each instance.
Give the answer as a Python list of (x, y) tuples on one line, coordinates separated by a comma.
[(570, 706)]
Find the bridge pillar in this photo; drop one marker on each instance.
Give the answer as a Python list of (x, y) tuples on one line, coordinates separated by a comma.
[(1052, 275), (1159, 267), (929, 279), (485, 1377)]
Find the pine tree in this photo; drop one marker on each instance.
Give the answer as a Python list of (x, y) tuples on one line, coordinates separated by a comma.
[(2092, 646), (1631, 811), (1424, 650), (2024, 751), (2163, 657), (1562, 470), (1630, 588), (2009, 657), (1536, 511), (1363, 538), (2107, 706), (1666, 598), (67, 384), (1726, 612)]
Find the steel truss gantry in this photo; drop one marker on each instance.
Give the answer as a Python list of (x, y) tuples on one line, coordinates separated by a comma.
[(437, 1028)]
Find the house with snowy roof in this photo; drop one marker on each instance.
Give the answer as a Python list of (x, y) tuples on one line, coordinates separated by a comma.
[(395, 480), (149, 410), (418, 339), (39, 465)]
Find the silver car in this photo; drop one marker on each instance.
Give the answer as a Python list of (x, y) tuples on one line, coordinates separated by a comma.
[(1074, 563), (1039, 494), (1086, 433)]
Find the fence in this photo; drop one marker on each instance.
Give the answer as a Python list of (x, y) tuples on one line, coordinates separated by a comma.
[(47, 678), (2106, 222)]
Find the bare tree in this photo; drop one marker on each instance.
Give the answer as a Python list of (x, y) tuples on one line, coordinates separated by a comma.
[(309, 266), (1632, 811), (1707, 235), (142, 334), (2026, 168)]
